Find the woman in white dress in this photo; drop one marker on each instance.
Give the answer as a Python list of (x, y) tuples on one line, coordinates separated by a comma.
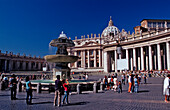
[(166, 87)]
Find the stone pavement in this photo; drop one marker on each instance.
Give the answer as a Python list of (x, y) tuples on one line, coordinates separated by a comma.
[(149, 98)]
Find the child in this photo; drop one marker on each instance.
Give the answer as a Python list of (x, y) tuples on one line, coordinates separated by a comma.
[(119, 87)]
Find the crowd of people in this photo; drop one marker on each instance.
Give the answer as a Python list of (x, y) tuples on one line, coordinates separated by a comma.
[(132, 79)]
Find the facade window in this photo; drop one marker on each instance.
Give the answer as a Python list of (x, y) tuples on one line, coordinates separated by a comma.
[(79, 64), (97, 52), (91, 52), (154, 24), (149, 24), (79, 53), (97, 64), (168, 24), (92, 63), (159, 24)]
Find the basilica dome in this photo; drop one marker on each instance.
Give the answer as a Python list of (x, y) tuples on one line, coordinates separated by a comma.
[(110, 30)]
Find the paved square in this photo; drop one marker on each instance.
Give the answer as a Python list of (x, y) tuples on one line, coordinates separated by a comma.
[(149, 98)]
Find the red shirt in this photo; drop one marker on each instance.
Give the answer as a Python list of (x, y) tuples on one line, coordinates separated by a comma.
[(65, 87)]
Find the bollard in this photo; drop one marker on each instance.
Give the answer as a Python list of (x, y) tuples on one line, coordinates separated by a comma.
[(20, 87), (101, 86), (2, 85), (50, 87), (39, 88), (78, 89), (95, 88)]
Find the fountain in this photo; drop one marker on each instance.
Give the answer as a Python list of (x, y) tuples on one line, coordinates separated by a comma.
[(61, 59)]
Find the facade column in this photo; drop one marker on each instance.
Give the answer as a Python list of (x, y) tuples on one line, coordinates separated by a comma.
[(150, 58), (134, 58), (24, 65), (106, 62), (5, 65), (131, 60), (88, 54), (29, 66), (69, 64), (84, 59), (139, 59), (146, 58), (75, 64), (115, 61), (142, 59), (100, 58), (39, 65), (95, 57), (168, 55), (127, 58), (159, 57)]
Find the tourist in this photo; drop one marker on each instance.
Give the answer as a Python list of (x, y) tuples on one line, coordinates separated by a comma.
[(136, 84), (57, 97), (109, 82), (87, 76), (84, 76), (29, 91), (105, 81), (123, 78), (13, 84), (139, 78), (115, 83), (166, 88), (130, 83), (65, 85), (144, 78), (127, 77), (119, 87), (112, 83)]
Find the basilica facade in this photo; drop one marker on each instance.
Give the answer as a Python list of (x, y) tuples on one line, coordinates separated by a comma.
[(146, 49)]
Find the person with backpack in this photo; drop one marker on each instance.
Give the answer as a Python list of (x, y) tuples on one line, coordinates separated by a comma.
[(29, 91), (58, 85), (13, 83)]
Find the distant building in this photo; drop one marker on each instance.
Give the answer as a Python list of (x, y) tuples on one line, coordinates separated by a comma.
[(146, 49), (10, 62)]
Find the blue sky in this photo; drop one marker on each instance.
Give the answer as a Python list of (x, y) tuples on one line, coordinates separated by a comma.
[(27, 26)]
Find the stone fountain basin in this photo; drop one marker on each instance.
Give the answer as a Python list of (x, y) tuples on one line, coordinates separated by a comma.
[(61, 58)]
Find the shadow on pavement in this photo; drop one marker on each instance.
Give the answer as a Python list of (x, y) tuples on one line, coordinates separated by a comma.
[(77, 103), (24, 98), (143, 91), (42, 102), (4, 95)]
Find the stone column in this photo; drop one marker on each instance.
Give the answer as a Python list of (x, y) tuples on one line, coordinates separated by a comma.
[(39, 66), (139, 59), (24, 65), (147, 59), (100, 58), (88, 53), (29, 66), (134, 58), (83, 59), (75, 64), (127, 58), (131, 60), (142, 59), (105, 62), (155, 59), (115, 61), (95, 57), (159, 57), (5, 65), (69, 64), (150, 58), (168, 55)]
